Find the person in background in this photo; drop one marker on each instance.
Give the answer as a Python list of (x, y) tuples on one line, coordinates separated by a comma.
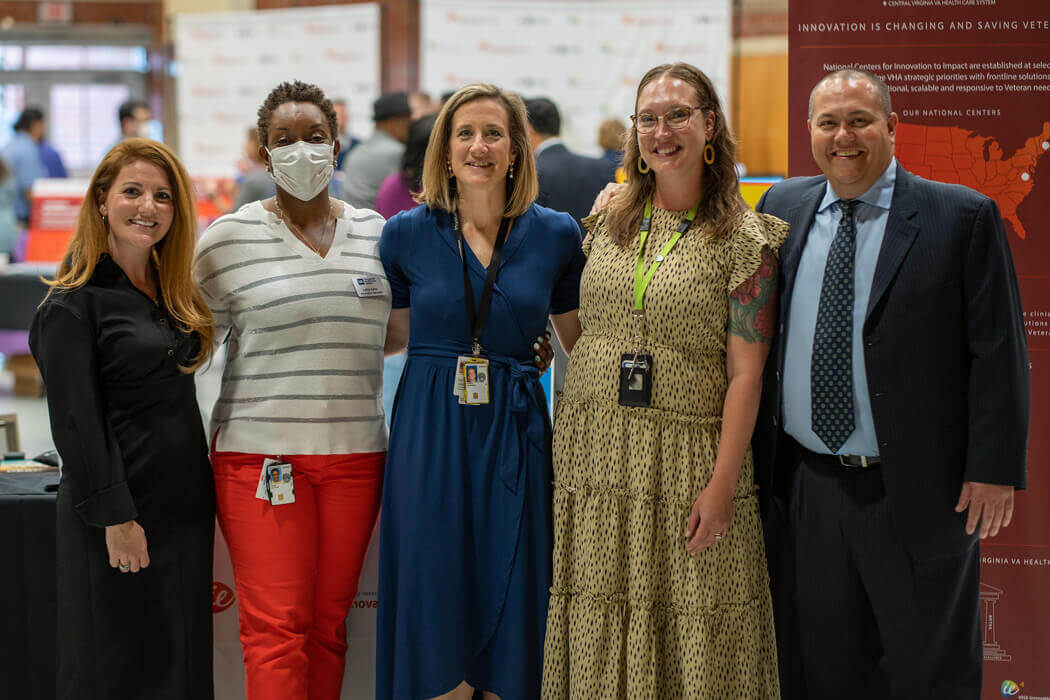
[(52, 160), (257, 182), (398, 191), (23, 155), (8, 223), (660, 587), (464, 563), (134, 117), (295, 283), (117, 340), (422, 105), (347, 141), (611, 133), (380, 154), (568, 182)]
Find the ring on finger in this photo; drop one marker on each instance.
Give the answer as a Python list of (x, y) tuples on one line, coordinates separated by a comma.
[(124, 566), (718, 535)]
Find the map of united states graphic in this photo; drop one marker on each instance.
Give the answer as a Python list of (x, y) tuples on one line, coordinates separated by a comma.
[(954, 154)]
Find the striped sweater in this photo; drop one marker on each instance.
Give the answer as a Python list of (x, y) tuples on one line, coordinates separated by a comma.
[(304, 359)]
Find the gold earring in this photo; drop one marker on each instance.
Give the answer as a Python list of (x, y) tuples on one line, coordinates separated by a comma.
[(643, 170), (448, 166), (709, 154), (510, 171)]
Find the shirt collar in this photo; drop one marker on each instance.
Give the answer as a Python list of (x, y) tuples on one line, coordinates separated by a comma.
[(878, 195), (552, 141)]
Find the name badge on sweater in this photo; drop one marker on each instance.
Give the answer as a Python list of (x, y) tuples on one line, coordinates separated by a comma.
[(367, 286)]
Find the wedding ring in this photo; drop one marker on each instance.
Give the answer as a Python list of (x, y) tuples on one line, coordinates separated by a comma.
[(718, 535), (124, 566)]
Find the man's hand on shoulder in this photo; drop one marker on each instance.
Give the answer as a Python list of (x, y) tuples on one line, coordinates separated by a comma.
[(991, 505)]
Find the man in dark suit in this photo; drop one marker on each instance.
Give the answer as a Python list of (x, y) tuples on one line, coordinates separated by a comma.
[(568, 182), (894, 422)]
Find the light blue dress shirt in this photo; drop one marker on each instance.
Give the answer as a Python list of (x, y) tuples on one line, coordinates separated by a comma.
[(23, 155), (871, 215)]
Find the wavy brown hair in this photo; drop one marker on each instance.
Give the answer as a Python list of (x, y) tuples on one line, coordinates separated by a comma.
[(721, 204), (172, 255), (438, 190)]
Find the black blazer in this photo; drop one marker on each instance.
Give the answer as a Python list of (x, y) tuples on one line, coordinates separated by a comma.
[(944, 351), (570, 182)]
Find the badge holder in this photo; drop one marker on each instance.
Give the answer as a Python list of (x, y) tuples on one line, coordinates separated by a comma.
[(636, 371), (276, 484)]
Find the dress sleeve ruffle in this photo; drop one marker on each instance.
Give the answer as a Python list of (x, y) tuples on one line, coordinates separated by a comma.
[(747, 239), (594, 225)]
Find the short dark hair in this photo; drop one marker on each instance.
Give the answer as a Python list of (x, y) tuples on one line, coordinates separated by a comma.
[(127, 109), (28, 117), (882, 91), (295, 91), (543, 116)]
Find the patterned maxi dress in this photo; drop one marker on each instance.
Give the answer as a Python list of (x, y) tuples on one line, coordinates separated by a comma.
[(632, 615)]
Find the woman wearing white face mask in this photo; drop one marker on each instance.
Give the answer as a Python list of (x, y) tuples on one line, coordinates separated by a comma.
[(298, 434)]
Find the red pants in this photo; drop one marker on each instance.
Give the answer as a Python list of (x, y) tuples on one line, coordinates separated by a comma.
[(296, 566)]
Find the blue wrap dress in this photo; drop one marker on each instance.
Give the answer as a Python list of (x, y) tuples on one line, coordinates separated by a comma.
[(465, 530)]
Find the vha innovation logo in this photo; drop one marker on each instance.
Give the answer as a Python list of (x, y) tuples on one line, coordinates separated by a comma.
[(222, 597), (1009, 689)]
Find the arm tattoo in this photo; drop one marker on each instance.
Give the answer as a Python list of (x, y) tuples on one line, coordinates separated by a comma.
[(753, 305)]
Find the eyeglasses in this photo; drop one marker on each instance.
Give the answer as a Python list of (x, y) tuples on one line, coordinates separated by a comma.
[(675, 118)]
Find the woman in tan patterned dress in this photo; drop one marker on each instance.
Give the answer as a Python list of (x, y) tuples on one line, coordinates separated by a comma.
[(660, 585)]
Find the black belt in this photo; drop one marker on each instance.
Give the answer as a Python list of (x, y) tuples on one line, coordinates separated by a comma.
[(838, 461)]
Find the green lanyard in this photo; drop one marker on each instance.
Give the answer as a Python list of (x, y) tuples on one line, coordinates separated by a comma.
[(643, 276)]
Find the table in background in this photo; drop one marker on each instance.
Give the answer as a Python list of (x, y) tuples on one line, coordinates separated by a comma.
[(27, 585)]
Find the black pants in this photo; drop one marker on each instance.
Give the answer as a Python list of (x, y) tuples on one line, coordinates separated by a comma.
[(874, 623)]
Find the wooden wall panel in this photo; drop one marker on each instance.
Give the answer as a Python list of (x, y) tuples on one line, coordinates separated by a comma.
[(760, 117)]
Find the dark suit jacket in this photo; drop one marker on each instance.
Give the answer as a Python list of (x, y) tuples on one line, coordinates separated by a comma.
[(944, 352), (570, 182)]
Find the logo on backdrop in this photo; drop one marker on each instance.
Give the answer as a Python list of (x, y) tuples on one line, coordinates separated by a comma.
[(990, 596), (1009, 689), (221, 597)]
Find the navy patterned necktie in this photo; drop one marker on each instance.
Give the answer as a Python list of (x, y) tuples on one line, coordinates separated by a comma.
[(831, 371)]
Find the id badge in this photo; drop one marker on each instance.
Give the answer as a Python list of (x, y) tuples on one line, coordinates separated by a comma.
[(636, 380), (458, 388), (367, 286), (280, 486), (476, 381)]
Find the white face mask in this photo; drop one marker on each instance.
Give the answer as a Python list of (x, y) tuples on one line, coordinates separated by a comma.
[(302, 169)]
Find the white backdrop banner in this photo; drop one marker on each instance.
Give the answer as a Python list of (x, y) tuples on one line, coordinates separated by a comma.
[(585, 56), (228, 62)]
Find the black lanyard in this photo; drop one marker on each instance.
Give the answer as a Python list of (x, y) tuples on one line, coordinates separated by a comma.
[(476, 318)]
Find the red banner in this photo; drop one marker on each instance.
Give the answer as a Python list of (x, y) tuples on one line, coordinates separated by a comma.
[(970, 81)]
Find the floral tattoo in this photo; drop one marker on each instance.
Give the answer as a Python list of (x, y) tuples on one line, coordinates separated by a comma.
[(753, 305)]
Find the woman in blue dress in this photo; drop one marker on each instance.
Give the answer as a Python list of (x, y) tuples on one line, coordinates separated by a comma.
[(465, 530)]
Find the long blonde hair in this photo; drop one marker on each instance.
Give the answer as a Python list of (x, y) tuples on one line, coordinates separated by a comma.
[(438, 192), (172, 255), (722, 203)]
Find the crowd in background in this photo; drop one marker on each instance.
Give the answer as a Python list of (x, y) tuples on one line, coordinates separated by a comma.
[(397, 117)]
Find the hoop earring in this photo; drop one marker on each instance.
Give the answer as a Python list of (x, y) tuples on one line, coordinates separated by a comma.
[(709, 154), (640, 163)]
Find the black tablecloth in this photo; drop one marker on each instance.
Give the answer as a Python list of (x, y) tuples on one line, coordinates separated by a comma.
[(20, 294), (27, 585)]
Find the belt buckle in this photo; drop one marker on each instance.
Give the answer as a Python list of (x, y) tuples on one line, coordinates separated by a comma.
[(863, 462)]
